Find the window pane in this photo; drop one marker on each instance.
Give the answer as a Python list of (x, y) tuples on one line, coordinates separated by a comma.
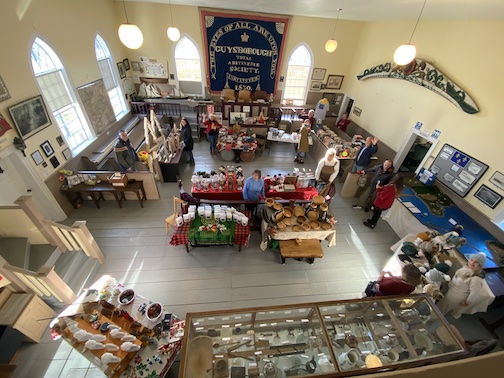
[(298, 74), (187, 61), (54, 90)]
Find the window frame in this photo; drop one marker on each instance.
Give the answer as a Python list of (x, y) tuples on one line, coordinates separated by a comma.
[(297, 102)]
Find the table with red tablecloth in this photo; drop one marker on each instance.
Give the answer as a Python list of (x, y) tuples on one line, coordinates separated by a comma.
[(241, 234), (225, 194)]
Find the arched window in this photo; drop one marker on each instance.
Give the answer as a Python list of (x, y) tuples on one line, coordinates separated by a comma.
[(59, 96), (298, 75), (188, 66), (110, 78)]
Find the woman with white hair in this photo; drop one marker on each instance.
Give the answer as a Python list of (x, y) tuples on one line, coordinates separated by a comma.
[(327, 169), (464, 288)]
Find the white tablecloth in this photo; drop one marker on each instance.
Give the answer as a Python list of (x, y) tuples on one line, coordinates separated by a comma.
[(402, 221)]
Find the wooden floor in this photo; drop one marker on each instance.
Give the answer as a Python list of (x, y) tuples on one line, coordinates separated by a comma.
[(138, 254)]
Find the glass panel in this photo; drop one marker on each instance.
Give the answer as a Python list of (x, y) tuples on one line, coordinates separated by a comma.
[(54, 90)]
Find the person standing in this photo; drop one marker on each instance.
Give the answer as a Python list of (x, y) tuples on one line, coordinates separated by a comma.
[(310, 116), (212, 129), (253, 189), (464, 288), (186, 133), (387, 284), (304, 144), (124, 153), (327, 169), (365, 154), (385, 196), (343, 122), (383, 173)]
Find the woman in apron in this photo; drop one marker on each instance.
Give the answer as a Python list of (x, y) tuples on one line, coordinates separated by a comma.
[(326, 172)]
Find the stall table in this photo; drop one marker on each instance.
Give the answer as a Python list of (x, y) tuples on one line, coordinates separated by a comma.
[(226, 194), (231, 149), (186, 234), (132, 364), (301, 249)]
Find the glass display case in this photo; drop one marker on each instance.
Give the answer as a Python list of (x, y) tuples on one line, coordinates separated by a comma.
[(338, 338)]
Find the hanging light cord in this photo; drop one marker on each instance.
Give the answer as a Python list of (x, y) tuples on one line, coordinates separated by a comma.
[(126, 13), (337, 18), (171, 13), (419, 16)]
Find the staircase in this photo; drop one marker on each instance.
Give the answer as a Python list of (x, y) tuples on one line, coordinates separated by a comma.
[(49, 259)]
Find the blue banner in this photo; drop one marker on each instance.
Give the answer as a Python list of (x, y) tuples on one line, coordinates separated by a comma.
[(243, 52)]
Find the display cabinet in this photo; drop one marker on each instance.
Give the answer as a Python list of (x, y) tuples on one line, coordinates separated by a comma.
[(340, 338)]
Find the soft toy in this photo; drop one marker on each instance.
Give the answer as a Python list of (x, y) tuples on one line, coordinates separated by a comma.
[(425, 236), (433, 291), (448, 241), (436, 277)]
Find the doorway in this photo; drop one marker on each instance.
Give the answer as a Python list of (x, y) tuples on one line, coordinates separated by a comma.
[(346, 106), (414, 152)]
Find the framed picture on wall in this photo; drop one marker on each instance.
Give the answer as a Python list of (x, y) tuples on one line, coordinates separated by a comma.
[(316, 85), (122, 71), (67, 154), (47, 148), (30, 116), (126, 64), (135, 66), (4, 93), (334, 81), (318, 74), (488, 196), (37, 157), (498, 180)]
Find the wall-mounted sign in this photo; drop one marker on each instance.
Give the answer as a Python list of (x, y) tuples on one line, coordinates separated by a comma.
[(243, 51), (426, 75)]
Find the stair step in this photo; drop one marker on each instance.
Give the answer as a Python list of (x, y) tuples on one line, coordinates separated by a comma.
[(42, 255), (83, 276), (68, 262), (15, 251)]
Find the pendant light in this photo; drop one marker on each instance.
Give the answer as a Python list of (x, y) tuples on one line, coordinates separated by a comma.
[(332, 44), (172, 32), (129, 34), (404, 54)]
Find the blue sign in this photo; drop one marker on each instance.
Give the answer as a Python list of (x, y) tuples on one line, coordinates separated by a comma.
[(418, 125), (460, 159), (243, 52)]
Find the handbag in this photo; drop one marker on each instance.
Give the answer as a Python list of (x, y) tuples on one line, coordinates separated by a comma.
[(362, 181), (371, 289)]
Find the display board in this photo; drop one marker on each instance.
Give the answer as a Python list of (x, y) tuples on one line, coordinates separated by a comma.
[(457, 170), (96, 102)]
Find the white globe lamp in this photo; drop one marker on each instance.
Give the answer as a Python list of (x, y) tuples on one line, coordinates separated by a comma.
[(131, 36)]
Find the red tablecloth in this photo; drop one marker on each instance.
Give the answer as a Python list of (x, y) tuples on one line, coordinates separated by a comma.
[(211, 194), (241, 234)]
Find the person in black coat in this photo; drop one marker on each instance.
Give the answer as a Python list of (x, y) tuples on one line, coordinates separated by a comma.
[(185, 131)]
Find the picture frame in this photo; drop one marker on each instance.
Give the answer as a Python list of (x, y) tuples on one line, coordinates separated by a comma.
[(60, 140), (54, 161), (488, 196), (318, 74), (30, 116), (37, 157), (135, 66), (497, 179), (316, 85), (122, 71), (334, 81), (4, 92), (126, 64), (357, 111), (67, 154), (47, 148)]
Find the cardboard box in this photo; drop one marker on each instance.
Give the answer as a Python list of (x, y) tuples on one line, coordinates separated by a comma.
[(119, 179), (289, 188)]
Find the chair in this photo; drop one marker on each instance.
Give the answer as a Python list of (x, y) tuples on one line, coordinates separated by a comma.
[(261, 95), (228, 94), (171, 220), (244, 95)]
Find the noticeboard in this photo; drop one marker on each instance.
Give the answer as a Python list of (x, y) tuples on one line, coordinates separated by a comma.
[(457, 170)]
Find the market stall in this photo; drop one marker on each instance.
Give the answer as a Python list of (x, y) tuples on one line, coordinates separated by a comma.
[(207, 225), (237, 146), (120, 331)]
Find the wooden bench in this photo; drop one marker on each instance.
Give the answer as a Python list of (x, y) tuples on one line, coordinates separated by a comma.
[(96, 192), (307, 249)]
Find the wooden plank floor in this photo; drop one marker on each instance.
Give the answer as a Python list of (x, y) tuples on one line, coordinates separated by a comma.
[(138, 254)]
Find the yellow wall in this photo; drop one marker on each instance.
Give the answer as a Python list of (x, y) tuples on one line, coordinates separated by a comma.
[(389, 107)]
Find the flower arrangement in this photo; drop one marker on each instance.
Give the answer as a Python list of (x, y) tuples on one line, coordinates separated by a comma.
[(213, 227)]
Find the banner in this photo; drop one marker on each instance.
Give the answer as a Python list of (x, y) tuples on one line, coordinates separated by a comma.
[(243, 51)]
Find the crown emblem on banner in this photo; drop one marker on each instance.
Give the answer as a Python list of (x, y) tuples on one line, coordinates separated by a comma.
[(244, 37)]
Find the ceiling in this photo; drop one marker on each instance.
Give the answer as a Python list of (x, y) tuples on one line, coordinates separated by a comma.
[(360, 10)]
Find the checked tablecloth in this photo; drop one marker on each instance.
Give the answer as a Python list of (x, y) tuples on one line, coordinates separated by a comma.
[(241, 234)]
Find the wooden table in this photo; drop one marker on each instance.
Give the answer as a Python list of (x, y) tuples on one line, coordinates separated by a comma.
[(95, 192), (307, 248)]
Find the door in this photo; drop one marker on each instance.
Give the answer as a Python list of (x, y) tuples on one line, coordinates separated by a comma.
[(12, 185)]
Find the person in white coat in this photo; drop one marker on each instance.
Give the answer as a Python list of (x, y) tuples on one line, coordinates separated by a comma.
[(464, 288)]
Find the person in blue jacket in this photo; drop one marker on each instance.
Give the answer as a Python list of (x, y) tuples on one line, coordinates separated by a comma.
[(253, 189), (365, 154)]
